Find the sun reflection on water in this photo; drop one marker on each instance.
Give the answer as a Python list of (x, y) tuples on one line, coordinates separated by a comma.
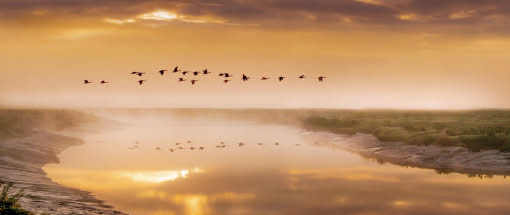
[(158, 176)]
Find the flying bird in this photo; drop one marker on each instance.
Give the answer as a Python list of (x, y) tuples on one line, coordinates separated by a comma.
[(193, 81), (281, 78), (264, 78), (162, 72), (226, 81), (241, 144), (259, 144), (195, 73), (302, 76), (221, 74), (245, 78), (201, 148), (86, 82), (205, 72), (176, 69), (192, 148), (140, 82), (227, 75), (171, 150), (138, 73), (184, 72), (157, 148), (181, 79), (321, 78), (104, 82)]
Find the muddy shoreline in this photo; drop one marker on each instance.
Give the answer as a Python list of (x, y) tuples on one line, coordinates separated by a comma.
[(21, 162), (442, 159)]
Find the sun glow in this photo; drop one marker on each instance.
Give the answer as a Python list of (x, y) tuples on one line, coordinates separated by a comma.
[(158, 15), (119, 21)]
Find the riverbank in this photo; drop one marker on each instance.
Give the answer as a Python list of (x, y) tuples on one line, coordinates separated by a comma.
[(28, 142), (444, 160)]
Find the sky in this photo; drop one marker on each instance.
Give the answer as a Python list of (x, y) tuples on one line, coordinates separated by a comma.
[(399, 54)]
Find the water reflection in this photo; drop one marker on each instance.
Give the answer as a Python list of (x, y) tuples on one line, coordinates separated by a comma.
[(158, 176), (259, 180)]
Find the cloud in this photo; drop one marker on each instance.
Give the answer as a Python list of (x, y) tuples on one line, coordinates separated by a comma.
[(488, 15)]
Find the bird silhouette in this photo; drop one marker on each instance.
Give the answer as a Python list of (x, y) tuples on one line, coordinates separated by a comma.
[(138, 73), (227, 75), (140, 82), (264, 78), (302, 76), (221, 74), (259, 144), (205, 72), (177, 144), (245, 78), (193, 81), (180, 147), (162, 72), (184, 72), (157, 148), (321, 78), (189, 141), (104, 82), (181, 79), (176, 69), (281, 78), (192, 148), (133, 73), (241, 144), (201, 148), (171, 150), (86, 82), (277, 143), (226, 81)]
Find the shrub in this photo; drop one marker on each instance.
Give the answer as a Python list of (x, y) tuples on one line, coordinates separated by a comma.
[(9, 202)]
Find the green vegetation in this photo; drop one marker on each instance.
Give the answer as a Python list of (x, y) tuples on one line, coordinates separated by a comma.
[(475, 130), (9, 202), (24, 122)]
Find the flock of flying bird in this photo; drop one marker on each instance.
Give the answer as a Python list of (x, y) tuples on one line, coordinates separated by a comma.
[(204, 72), (180, 146)]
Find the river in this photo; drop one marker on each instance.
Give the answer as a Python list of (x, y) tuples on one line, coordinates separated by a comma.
[(280, 169)]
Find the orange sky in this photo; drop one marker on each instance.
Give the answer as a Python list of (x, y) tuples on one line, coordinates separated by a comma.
[(410, 54)]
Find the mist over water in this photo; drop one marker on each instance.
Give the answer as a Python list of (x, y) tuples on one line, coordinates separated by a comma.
[(300, 175)]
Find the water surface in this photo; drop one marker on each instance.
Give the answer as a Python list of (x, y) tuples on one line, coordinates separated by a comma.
[(298, 176)]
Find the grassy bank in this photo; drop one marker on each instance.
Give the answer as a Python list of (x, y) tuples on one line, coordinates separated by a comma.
[(25, 122), (475, 130)]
